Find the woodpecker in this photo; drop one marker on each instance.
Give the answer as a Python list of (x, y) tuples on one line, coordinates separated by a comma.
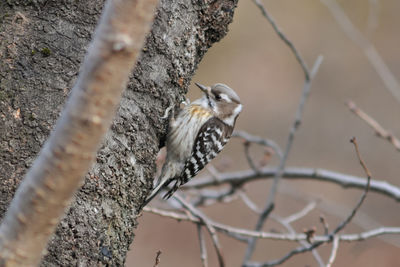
[(198, 133)]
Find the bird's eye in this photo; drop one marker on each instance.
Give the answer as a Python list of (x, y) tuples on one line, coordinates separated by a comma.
[(218, 97)]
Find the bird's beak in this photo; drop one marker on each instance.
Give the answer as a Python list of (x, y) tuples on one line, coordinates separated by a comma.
[(205, 89)]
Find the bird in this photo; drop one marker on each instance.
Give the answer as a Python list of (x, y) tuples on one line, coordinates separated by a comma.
[(199, 132)]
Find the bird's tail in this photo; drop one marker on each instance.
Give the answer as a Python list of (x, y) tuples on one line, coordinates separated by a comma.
[(172, 190), (156, 190)]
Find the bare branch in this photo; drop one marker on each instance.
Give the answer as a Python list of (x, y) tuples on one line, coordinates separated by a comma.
[(305, 244), (324, 224), (210, 197), (250, 161), (61, 165), (157, 261), (271, 196), (259, 140), (269, 206), (387, 77), (293, 252), (240, 234), (371, 233), (284, 38), (345, 180), (203, 218), (213, 171), (249, 203), (203, 249), (363, 196), (379, 130), (286, 222), (335, 247), (302, 213), (331, 236)]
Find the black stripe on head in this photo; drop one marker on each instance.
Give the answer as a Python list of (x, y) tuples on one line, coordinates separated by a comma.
[(210, 103)]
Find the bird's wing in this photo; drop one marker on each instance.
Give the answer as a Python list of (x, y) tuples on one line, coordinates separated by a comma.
[(210, 140)]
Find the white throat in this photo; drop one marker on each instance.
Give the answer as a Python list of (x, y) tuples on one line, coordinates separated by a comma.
[(231, 119)]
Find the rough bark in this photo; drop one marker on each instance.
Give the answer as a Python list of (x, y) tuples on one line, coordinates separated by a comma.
[(42, 44), (58, 171)]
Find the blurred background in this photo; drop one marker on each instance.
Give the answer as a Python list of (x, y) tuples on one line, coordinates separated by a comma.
[(261, 68)]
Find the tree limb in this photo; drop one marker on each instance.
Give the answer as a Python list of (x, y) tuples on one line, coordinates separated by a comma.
[(47, 49), (59, 170), (240, 232), (323, 175)]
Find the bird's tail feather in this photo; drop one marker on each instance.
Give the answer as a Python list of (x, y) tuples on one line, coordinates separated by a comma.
[(172, 190), (156, 190)]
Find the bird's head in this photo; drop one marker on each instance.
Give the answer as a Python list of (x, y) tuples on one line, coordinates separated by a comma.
[(223, 101)]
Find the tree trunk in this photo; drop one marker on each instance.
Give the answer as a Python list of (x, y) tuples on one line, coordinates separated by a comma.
[(41, 46)]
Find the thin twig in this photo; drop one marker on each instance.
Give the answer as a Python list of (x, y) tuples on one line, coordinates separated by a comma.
[(304, 243), (290, 254), (203, 248), (203, 218), (271, 196), (323, 175), (335, 247), (249, 159), (213, 171), (371, 233), (387, 77), (308, 77), (363, 196), (240, 234), (301, 214), (324, 224), (286, 222), (331, 236), (363, 165), (379, 130), (259, 140), (210, 197), (249, 203), (157, 261), (284, 38)]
